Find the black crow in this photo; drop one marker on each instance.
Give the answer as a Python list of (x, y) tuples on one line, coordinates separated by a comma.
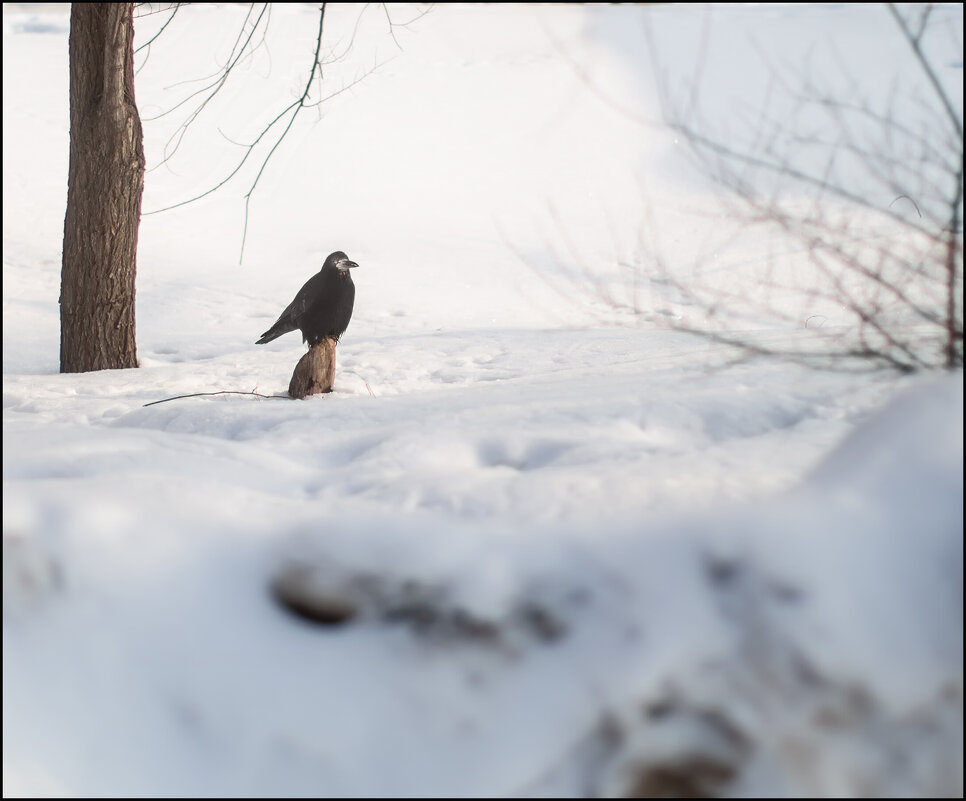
[(322, 307)]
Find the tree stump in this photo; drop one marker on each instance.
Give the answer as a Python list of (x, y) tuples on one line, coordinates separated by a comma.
[(315, 372)]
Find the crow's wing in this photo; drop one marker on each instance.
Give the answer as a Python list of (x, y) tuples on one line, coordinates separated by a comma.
[(292, 317)]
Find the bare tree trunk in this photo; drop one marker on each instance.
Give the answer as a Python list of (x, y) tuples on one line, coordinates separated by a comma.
[(315, 372), (105, 182)]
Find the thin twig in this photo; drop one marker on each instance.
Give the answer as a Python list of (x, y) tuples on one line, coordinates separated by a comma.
[(222, 392), (926, 66), (147, 44)]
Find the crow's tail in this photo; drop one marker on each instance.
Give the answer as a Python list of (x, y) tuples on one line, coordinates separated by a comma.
[(275, 332)]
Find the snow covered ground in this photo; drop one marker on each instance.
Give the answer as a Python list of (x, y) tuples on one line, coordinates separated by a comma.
[(572, 552)]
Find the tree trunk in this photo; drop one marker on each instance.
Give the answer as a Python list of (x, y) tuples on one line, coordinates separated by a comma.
[(315, 372), (105, 182)]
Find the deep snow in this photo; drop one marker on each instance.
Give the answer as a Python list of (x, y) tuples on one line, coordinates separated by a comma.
[(585, 553)]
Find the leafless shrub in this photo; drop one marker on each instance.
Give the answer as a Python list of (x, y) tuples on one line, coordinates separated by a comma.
[(841, 230), (870, 197)]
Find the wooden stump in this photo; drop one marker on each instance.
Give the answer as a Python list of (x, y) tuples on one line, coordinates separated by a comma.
[(315, 372)]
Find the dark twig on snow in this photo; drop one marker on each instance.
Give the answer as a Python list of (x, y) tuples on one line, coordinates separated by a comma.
[(222, 392)]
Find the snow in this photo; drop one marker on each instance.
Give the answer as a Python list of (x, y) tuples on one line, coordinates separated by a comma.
[(580, 553)]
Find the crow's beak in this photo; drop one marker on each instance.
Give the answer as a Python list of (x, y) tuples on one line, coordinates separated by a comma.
[(345, 264)]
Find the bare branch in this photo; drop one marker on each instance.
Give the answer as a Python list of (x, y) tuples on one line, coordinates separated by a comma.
[(212, 89), (915, 42), (276, 130), (147, 44), (222, 392)]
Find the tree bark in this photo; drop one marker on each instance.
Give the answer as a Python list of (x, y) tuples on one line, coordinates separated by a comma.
[(105, 183), (315, 372)]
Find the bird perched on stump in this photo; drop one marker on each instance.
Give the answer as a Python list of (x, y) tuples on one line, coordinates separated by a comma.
[(322, 307)]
